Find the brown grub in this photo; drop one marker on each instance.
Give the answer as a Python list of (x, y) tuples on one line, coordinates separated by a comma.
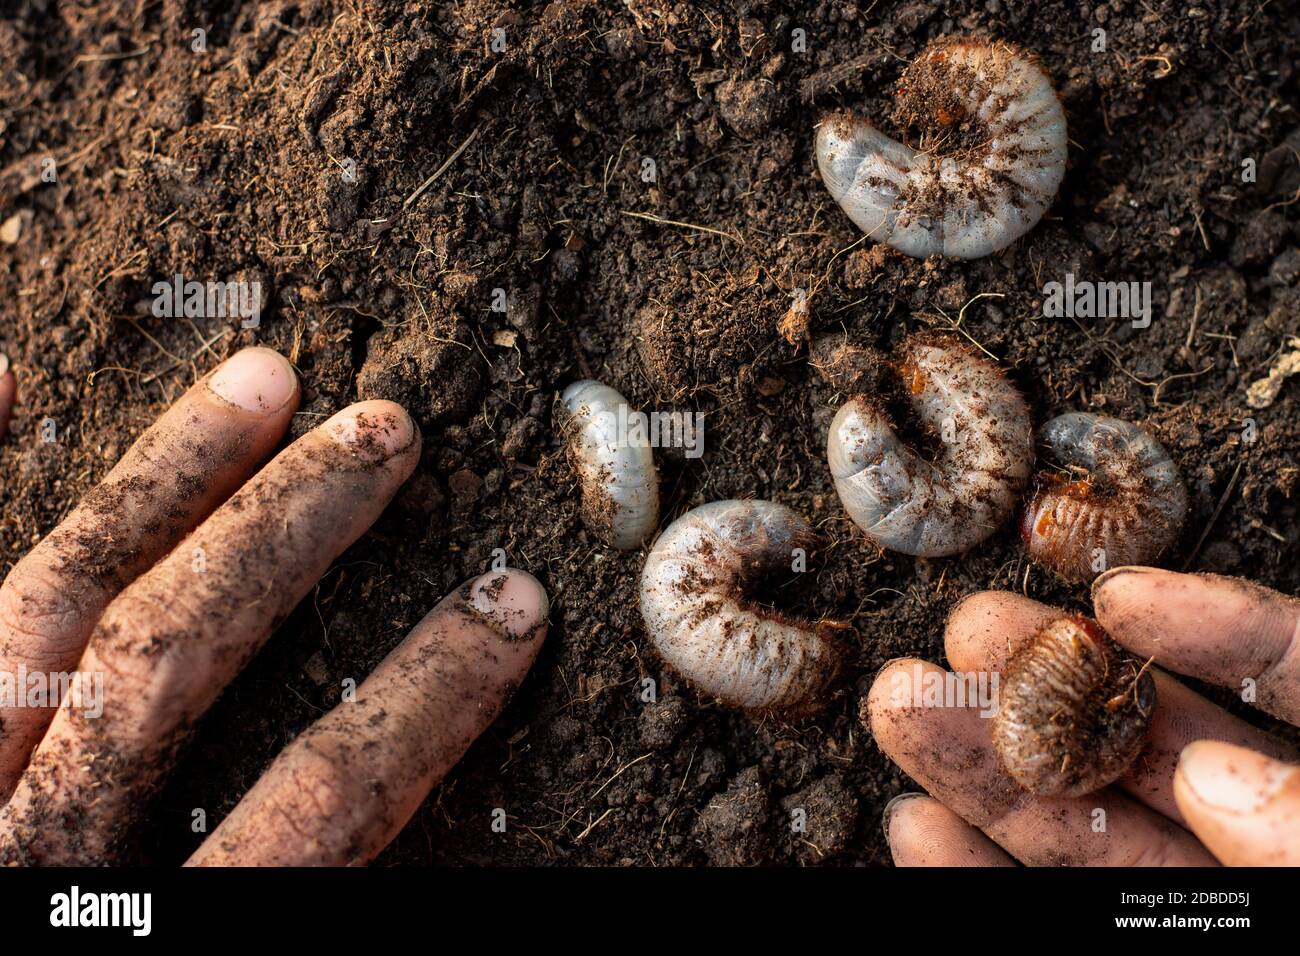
[(1073, 711)]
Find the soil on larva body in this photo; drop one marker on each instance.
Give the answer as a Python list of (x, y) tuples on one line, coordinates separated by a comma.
[(637, 180)]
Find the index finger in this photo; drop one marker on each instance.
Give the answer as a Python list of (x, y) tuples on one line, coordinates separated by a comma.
[(1223, 630)]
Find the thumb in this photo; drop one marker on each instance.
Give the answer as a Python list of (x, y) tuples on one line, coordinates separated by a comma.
[(1243, 806)]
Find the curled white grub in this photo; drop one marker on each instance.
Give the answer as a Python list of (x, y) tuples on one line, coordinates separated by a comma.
[(694, 598), (615, 464), (980, 452), (991, 158), (1117, 498)]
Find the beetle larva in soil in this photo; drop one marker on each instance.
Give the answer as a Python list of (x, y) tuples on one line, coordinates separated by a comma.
[(620, 485), (950, 500), (991, 155), (1073, 711), (1119, 499), (695, 598)]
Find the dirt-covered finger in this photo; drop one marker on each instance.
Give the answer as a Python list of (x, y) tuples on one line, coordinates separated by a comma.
[(1245, 806), (1224, 630), (175, 637), (986, 629), (921, 831), (189, 461), (339, 793), (948, 749)]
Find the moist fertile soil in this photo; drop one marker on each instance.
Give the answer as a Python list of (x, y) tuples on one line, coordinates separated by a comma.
[(638, 180)]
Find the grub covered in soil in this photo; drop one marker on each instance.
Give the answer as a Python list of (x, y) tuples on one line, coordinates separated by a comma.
[(1075, 710), (464, 207)]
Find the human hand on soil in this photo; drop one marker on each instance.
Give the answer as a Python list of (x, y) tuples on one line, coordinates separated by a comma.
[(1203, 769), (169, 577)]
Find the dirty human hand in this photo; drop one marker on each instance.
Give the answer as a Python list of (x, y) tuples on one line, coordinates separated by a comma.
[(169, 577), (1208, 785)]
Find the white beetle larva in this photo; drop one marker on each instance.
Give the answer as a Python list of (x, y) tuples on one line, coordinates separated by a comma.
[(693, 599), (1120, 500), (951, 501), (620, 485), (991, 158)]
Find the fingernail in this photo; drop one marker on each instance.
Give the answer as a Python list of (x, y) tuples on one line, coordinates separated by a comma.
[(4, 364), (887, 665), (511, 601), (257, 380), (893, 805), (1113, 573), (374, 430), (1230, 778)]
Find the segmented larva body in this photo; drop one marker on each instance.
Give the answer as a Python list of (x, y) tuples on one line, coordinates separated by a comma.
[(1120, 501), (693, 599), (620, 485), (1073, 710), (992, 154), (948, 502)]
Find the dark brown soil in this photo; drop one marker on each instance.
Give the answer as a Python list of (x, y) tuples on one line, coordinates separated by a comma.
[(231, 164)]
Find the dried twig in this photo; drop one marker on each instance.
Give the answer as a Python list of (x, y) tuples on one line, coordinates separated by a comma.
[(684, 225), (1218, 510), (443, 168)]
